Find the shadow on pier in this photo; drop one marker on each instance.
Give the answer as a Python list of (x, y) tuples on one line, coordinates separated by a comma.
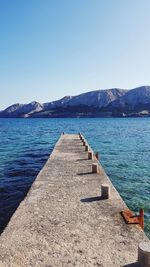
[(84, 173), (82, 159), (92, 199), (132, 265)]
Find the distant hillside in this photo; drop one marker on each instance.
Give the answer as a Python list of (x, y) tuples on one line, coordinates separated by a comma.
[(99, 103), (21, 110), (135, 102)]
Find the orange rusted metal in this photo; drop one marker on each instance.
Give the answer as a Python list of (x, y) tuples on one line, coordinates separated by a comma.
[(131, 218), (141, 218)]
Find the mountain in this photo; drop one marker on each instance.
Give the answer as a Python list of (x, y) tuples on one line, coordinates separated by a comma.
[(133, 102), (70, 105), (98, 98), (99, 103), (21, 110)]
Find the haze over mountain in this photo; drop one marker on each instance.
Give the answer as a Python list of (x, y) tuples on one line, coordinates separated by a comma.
[(99, 103)]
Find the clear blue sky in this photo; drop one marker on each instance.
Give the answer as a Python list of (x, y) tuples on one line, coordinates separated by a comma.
[(52, 48)]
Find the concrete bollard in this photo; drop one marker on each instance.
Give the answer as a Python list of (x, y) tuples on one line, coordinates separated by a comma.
[(86, 148), (84, 143), (105, 190), (144, 254), (97, 155), (94, 168), (90, 155), (80, 136)]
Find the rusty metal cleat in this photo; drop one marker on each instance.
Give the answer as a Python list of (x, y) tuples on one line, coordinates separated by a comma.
[(131, 218)]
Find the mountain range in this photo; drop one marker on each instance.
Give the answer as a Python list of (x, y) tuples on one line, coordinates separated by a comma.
[(100, 103)]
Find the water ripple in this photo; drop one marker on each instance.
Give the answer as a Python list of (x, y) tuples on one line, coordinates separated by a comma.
[(123, 144)]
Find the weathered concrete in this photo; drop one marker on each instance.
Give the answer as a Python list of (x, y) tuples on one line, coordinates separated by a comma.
[(90, 155), (86, 148), (63, 221), (95, 167), (105, 191)]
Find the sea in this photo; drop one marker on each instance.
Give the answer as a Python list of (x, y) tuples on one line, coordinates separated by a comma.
[(123, 145)]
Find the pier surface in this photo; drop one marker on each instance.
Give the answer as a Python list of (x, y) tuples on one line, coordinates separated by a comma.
[(63, 221)]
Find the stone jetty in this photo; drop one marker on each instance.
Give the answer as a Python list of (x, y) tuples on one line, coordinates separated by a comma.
[(71, 217)]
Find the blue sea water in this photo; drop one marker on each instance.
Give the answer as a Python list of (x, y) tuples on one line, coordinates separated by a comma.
[(123, 144)]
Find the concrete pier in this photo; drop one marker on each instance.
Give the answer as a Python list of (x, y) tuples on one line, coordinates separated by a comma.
[(64, 220)]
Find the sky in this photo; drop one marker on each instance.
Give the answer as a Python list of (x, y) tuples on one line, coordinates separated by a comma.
[(53, 48)]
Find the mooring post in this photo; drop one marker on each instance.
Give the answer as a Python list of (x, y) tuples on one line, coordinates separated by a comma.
[(80, 136), (141, 218), (144, 254), (84, 143), (86, 148), (90, 155), (94, 168), (105, 191), (97, 155)]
